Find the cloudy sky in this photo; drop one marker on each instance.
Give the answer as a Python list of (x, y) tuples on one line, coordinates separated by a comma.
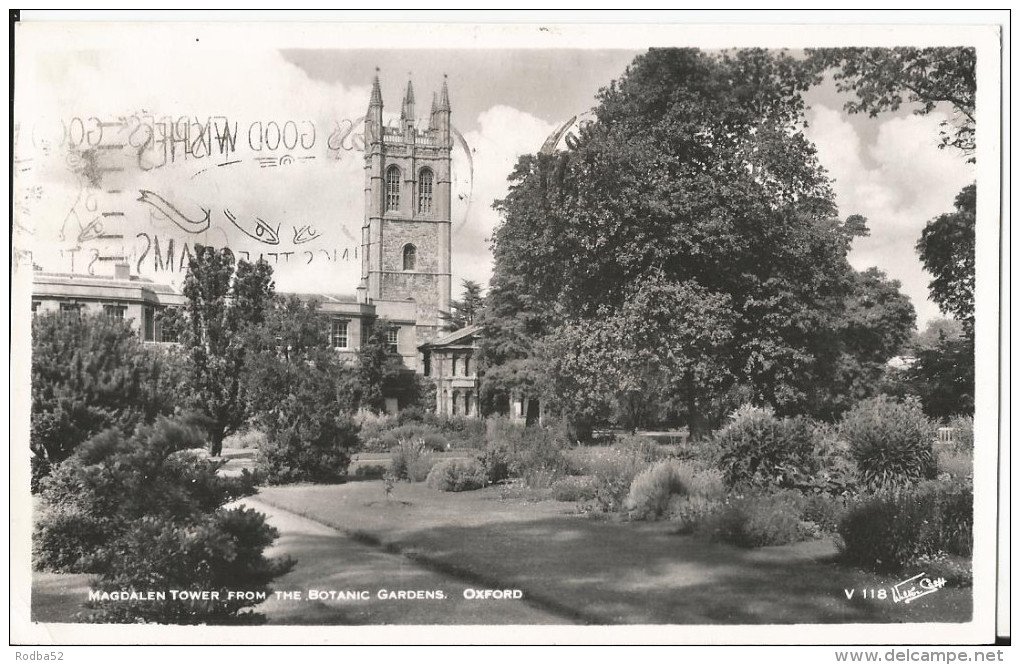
[(290, 181)]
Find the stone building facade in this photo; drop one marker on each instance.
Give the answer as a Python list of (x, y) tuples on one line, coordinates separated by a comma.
[(405, 269), (405, 259)]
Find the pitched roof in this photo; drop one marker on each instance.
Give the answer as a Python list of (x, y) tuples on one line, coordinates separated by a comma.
[(455, 336)]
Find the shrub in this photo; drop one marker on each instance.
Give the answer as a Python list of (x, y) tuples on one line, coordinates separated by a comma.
[(574, 488), (220, 552), (534, 453), (824, 510), (614, 471), (644, 447), (652, 490), (146, 513), (758, 449), (457, 475), (758, 520), (370, 471), (689, 512), (309, 433), (898, 527), (890, 441), (955, 462), (91, 373), (387, 439), (412, 461)]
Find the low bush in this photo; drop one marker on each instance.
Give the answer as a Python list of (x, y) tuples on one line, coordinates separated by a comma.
[(370, 471), (644, 447), (457, 475), (758, 520), (954, 462), (147, 513), (652, 490), (898, 527), (534, 454), (574, 488), (824, 510), (758, 449), (689, 512), (890, 441), (388, 439), (411, 460), (614, 471)]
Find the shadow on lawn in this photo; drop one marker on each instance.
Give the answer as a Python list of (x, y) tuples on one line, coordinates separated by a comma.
[(635, 574)]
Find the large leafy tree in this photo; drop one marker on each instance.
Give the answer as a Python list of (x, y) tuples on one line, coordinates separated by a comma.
[(883, 79), (947, 251), (687, 247), (224, 305)]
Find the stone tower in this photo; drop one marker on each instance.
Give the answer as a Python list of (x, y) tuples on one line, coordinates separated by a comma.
[(405, 260)]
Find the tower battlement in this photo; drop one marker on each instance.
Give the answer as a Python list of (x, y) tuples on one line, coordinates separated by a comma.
[(406, 233)]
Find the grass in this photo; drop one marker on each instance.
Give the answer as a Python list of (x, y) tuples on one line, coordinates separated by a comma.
[(606, 570)]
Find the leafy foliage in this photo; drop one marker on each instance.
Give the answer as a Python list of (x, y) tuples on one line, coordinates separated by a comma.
[(304, 406), (468, 309), (891, 530), (947, 252), (91, 373), (757, 448), (411, 460), (223, 306), (146, 513), (758, 520), (891, 441), (457, 475), (692, 212), (653, 491), (883, 79)]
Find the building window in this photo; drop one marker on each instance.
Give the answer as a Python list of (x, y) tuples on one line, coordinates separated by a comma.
[(393, 188), (425, 191), (467, 404), (410, 257), (70, 308), (115, 311), (391, 339), (338, 333), (453, 364), (149, 324), (35, 306)]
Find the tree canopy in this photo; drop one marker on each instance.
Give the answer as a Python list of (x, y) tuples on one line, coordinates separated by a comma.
[(947, 251), (883, 79), (688, 240), (223, 305)]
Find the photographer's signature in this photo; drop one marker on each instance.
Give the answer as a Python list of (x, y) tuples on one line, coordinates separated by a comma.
[(905, 592), (916, 587)]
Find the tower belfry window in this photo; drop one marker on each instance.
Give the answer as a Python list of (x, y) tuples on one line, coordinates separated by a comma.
[(393, 188), (425, 191), (410, 257)]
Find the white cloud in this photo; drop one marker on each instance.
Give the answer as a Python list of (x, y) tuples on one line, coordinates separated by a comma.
[(899, 182), (504, 134), (322, 188)]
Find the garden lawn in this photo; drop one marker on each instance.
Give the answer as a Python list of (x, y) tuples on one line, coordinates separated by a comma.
[(605, 571)]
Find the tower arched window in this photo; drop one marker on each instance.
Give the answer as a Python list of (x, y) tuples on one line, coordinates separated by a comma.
[(393, 188), (425, 191), (410, 257)]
